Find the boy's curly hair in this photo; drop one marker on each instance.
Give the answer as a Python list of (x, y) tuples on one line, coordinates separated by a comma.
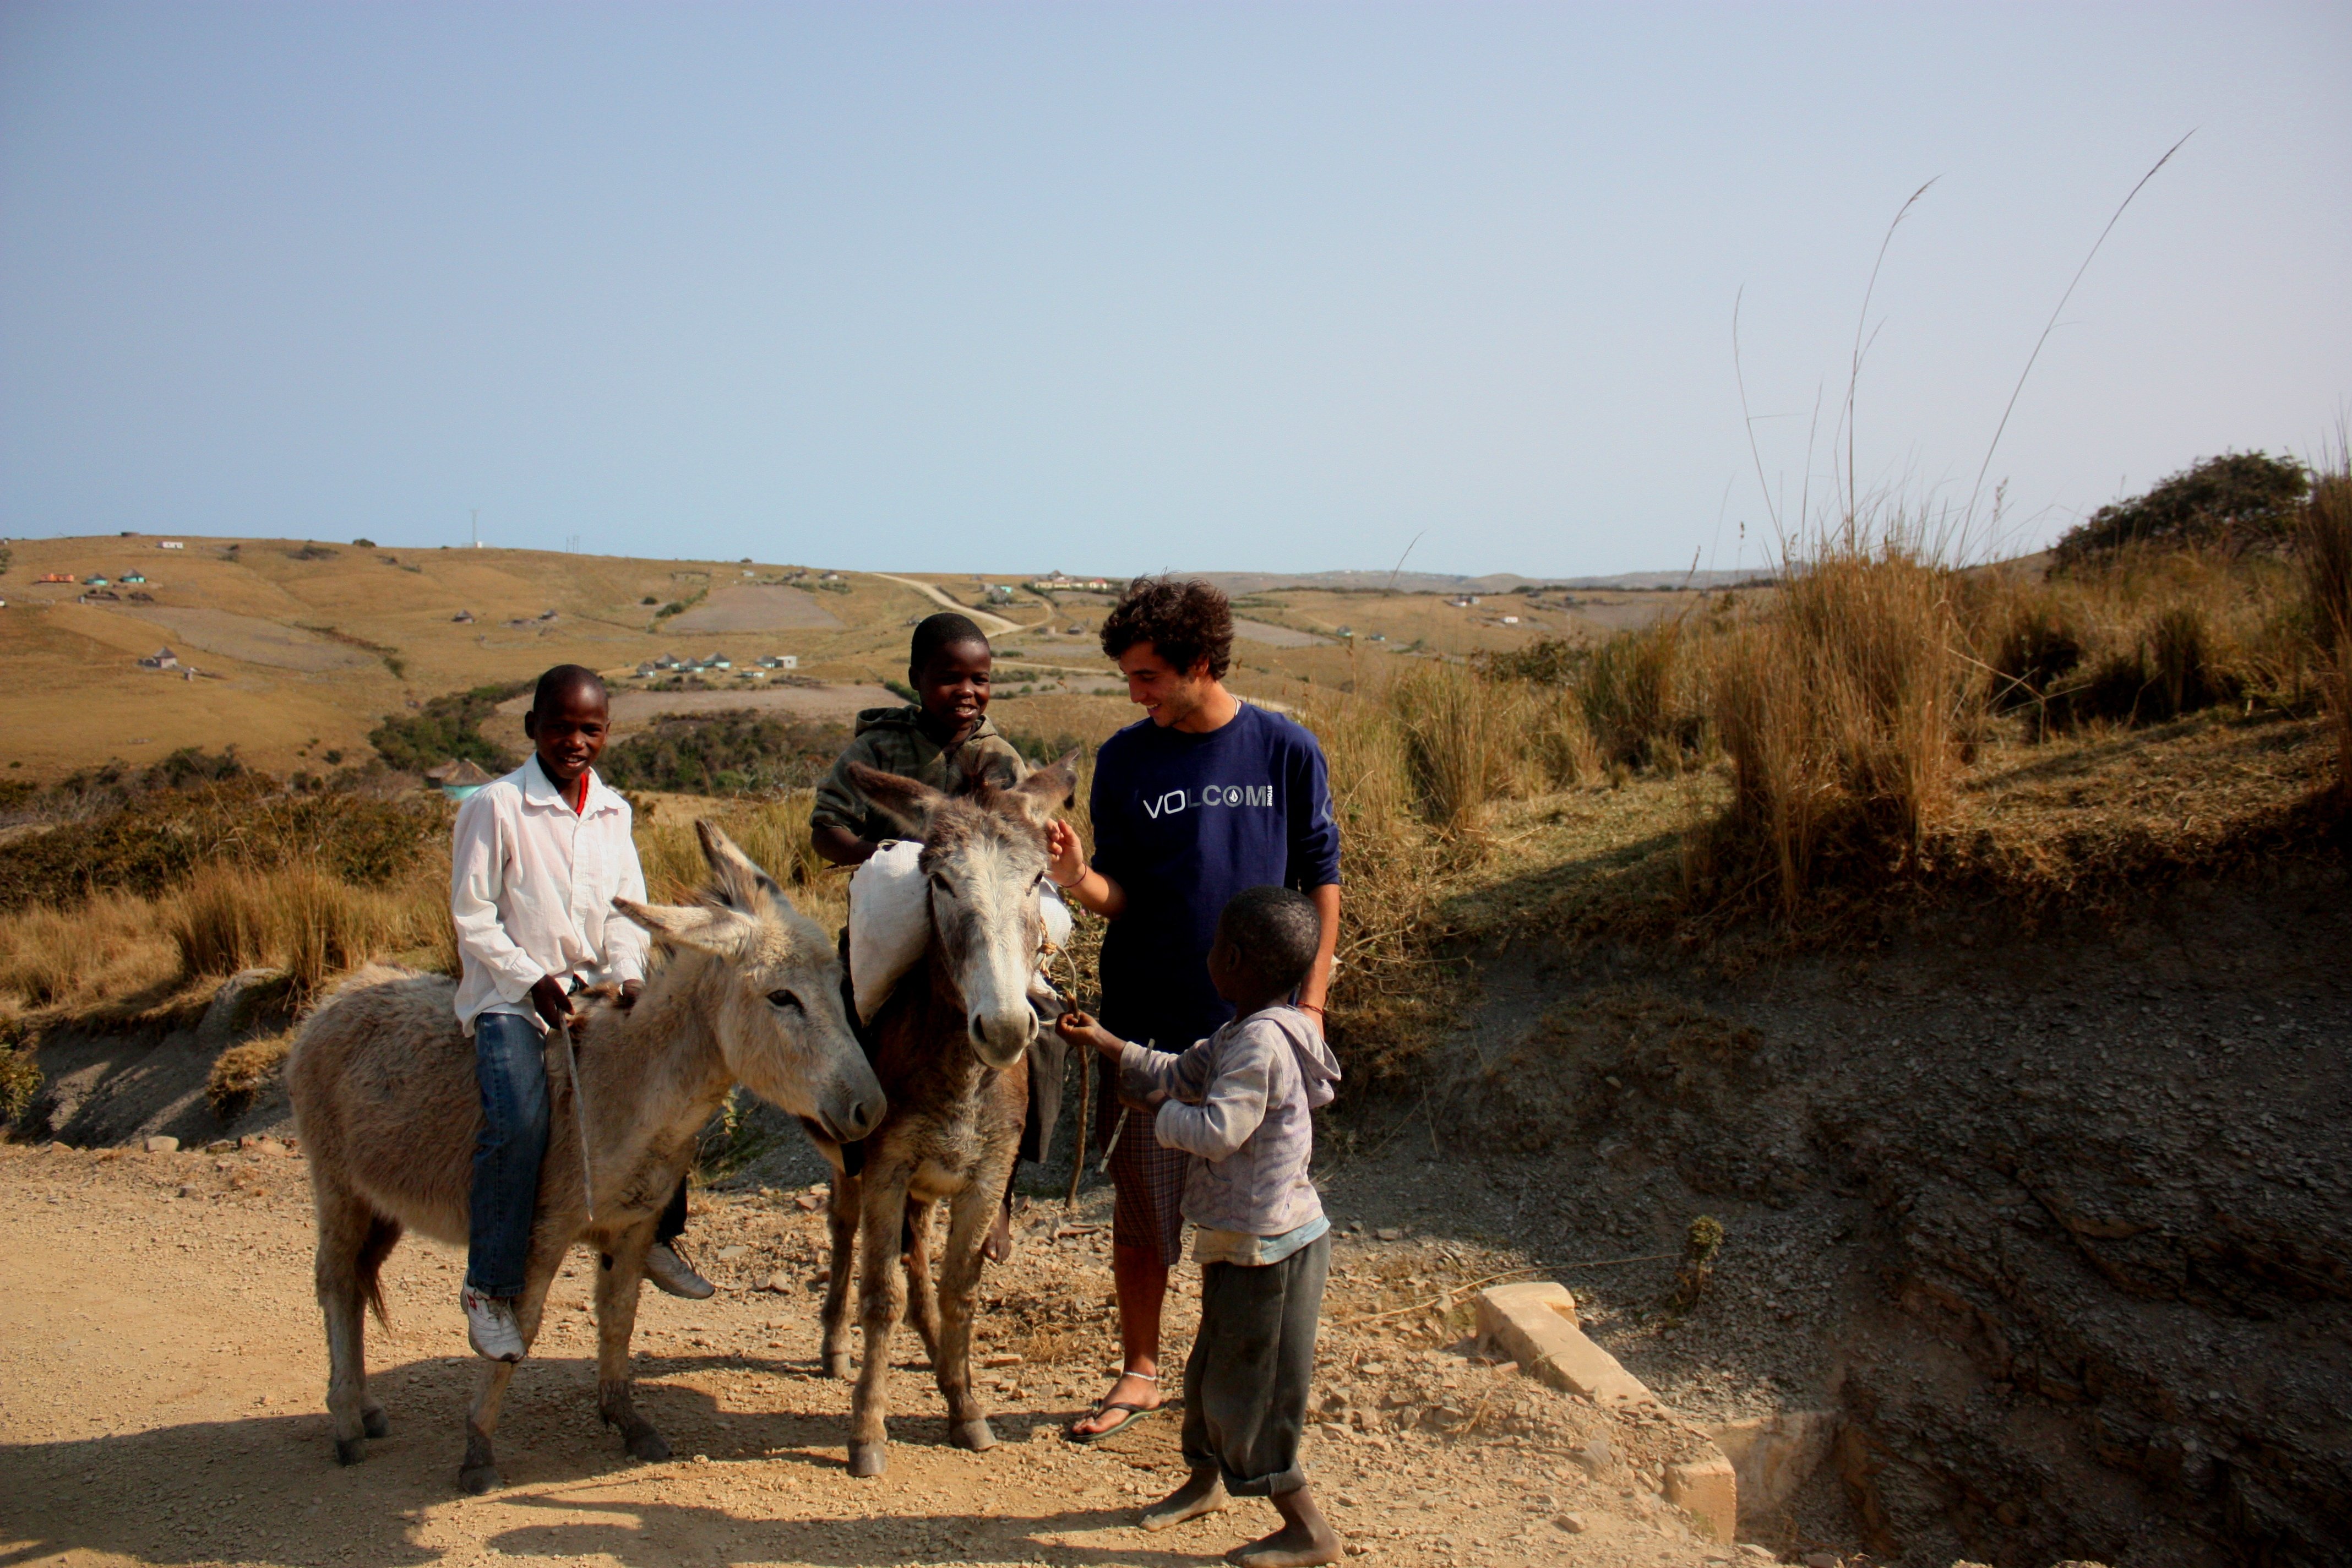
[(1185, 621)]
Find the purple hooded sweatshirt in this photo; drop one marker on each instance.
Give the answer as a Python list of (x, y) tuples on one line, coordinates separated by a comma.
[(1242, 1101)]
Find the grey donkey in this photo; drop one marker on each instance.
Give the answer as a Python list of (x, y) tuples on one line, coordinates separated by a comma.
[(384, 1094), (951, 1047)]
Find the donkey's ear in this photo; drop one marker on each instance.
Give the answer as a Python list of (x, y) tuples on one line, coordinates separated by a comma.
[(702, 927), (909, 802), (1048, 789), (737, 878)]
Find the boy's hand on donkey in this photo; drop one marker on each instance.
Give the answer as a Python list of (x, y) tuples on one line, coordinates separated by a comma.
[(1079, 1029), (547, 997)]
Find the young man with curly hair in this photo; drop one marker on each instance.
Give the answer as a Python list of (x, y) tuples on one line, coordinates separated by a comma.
[(1205, 796)]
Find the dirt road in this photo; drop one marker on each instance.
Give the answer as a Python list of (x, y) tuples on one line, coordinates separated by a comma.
[(162, 1372)]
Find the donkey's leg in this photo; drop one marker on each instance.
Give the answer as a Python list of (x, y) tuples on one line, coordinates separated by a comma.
[(618, 1274), (344, 1221), (970, 1213), (922, 1296), (882, 1298), (841, 1218), (479, 1472)]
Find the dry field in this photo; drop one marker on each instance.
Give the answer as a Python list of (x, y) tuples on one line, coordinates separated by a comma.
[(302, 648)]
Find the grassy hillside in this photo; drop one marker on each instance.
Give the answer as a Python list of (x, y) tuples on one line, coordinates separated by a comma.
[(302, 647)]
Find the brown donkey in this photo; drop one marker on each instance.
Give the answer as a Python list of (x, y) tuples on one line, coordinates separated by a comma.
[(384, 1092), (951, 1047)]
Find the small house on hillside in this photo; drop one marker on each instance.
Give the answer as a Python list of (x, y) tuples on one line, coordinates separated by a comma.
[(162, 658), (460, 777), (57, 577), (462, 618), (170, 544), (718, 661), (131, 577)]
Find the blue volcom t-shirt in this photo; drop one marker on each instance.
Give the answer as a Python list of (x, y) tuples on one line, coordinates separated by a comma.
[(1183, 822)]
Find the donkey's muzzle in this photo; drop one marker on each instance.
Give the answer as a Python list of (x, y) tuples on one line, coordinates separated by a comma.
[(854, 1107), (1000, 1036)]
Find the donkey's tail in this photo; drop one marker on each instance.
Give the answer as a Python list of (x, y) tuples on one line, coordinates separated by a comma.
[(382, 1235)]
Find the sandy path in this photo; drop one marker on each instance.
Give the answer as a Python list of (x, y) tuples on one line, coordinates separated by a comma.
[(995, 626), (161, 1368)]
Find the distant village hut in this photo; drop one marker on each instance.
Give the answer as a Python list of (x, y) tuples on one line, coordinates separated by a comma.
[(162, 658), (459, 777)]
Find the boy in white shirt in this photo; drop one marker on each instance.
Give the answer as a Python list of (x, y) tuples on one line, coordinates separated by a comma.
[(538, 859)]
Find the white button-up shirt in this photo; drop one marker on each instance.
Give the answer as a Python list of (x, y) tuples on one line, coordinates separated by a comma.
[(531, 886)]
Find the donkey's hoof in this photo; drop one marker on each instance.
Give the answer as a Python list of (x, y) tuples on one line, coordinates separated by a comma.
[(973, 1433), (375, 1423), (837, 1364), (649, 1444), (867, 1458), (478, 1478), (350, 1450)]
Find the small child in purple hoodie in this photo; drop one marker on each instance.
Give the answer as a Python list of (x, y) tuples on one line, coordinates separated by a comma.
[(1242, 1102)]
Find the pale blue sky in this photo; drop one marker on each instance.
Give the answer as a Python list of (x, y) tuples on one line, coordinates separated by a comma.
[(1114, 287)]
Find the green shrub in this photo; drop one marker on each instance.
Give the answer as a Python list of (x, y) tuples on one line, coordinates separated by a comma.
[(154, 841), (446, 728), (723, 754), (2236, 501)]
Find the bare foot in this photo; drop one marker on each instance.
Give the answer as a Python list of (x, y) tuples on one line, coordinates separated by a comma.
[(1203, 1492), (1132, 1388), (1305, 1541)]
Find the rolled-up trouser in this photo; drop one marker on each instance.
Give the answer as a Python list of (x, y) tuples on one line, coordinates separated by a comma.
[(1253, 1361), (511, 1063)]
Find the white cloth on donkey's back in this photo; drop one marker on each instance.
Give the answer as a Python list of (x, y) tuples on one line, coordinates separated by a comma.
[(890, 922), (531, 884)]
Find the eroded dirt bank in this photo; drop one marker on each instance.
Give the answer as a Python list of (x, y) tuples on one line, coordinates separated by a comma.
[(2056, 1218)]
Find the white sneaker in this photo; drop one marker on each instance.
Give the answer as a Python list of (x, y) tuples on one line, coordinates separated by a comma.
[(490, 1325)]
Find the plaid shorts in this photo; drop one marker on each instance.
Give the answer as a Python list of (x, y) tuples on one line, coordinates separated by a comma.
[(1148, 1185)]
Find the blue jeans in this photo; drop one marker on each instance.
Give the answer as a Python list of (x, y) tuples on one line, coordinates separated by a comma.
[(511, 1063)]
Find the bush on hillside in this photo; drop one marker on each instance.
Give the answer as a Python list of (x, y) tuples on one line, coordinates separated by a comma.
[(1637, 691), (154, 842), (723, 754), (446, 728), (2236, 501)]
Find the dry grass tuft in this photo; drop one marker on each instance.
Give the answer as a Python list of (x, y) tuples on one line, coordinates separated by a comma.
[(218, 924), (774, 832), (2327, 592), (110, 946), (240, 1073), (313, 925), (1461, 737), (1842, 708)]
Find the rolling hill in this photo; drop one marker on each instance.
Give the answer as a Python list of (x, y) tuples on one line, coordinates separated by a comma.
[(293, 650)]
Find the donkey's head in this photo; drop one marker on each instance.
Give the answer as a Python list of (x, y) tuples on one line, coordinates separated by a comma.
[(985, 856), (776, 992)]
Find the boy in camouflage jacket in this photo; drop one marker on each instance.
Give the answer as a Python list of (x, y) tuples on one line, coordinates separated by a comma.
[(941, 739)]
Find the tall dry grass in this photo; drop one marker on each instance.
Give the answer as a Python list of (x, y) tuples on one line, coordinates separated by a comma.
[(774, 832), (1842, 708), (313, 925), (2326, 561), (1387, 992), (2141, 637), (109, 946)]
